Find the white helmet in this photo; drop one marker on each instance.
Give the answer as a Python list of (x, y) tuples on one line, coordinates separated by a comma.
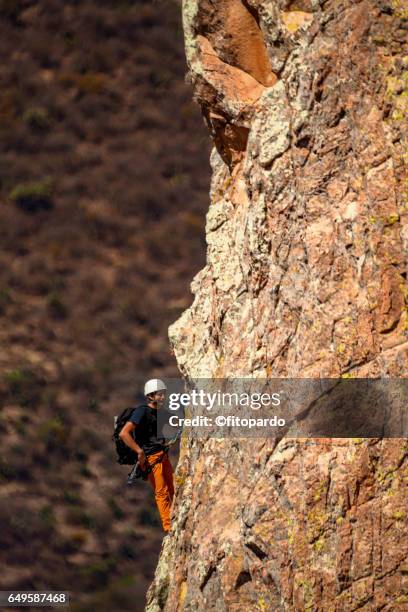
[(155, 384)]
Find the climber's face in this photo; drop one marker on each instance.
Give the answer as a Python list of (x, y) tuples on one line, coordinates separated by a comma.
[(159, 397)]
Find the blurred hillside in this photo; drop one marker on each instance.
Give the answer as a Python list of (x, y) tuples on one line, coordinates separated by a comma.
[(104, 178)]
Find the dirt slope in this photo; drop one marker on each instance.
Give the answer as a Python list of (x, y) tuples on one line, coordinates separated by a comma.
[(103, 184)]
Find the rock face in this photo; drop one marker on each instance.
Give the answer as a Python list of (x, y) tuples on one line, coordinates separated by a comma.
[(306, 276)]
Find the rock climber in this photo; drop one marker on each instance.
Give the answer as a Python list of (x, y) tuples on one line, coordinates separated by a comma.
[(140, 434)]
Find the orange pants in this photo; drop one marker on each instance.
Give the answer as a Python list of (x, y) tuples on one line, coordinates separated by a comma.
[(161, 479)]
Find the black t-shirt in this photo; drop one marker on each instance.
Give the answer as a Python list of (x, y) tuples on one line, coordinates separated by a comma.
[(145, 432)]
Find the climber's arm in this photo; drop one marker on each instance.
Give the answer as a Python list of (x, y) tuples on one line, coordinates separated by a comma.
[(126, 436)]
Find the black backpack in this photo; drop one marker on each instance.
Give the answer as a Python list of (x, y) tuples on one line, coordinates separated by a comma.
[(126, 456)]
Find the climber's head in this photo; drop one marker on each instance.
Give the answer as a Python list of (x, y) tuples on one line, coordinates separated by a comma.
[(155, 392)]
